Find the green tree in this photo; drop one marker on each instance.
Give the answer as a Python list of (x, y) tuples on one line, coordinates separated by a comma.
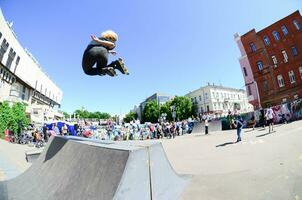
[(19, 119), (5, 117), (165, 108), (66, 115), (84, 114), (105, 116), (151, 112), (183, 107), (129, 117)]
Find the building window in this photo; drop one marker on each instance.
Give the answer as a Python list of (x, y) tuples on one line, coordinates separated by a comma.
[(0, 34), (284, 30), (253, 47), (297, 25), (206, 96), (18, 60), (244, 71), (276, 35), (249, 91), (11, 57), (260, 65), (3, 48), (266, 40), (292, 77), (300, 70), (285, 56), (199, 97), (23, 93), (294, 51), (280, 81), (275, 61)]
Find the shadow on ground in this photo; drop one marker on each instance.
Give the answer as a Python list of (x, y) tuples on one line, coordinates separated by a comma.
[(262, 135), (225, 144)]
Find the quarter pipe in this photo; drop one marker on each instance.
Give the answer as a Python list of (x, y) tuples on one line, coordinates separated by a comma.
[(71, 168)]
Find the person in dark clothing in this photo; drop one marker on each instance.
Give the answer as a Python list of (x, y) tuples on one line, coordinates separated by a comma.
[(97, 53), (239, 126), (45, 134), (206, 126), (262, 118)]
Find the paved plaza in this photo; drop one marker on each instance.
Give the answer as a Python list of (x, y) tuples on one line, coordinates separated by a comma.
[(262, 166)]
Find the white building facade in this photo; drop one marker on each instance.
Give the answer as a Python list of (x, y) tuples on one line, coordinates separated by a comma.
[(23, 80), (219, 100)]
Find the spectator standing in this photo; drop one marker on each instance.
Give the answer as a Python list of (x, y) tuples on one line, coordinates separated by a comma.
[(262, 118), (45, 134), (64, 129), (239, 126), (270, 116), (56, 129), (206, 126), (253, 122)]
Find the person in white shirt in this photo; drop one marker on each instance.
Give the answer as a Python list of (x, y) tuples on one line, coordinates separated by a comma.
[(269, 117)]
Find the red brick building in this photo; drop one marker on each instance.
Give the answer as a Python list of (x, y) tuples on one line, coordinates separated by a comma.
[(271, 61)]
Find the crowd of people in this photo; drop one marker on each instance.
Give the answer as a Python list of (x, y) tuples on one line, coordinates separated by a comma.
[(134, 130), (108, 130)]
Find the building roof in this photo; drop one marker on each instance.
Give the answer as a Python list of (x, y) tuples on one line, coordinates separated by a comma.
[(277, 22), (217, 87)]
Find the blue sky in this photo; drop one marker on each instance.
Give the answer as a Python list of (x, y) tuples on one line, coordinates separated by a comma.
[(169, 46)]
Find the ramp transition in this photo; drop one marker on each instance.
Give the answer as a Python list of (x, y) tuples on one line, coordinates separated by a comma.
[(70, 168)]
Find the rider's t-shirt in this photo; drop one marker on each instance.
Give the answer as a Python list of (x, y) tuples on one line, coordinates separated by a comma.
[(94, 43)]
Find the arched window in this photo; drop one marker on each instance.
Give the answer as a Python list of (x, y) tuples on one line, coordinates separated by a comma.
[(276, 35), (284, 30), (260, 65), (292, 77), (280, 81), (297, 25), (266, 40)]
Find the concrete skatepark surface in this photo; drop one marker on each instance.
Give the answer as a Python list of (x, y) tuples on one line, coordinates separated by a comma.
[(262, 167), (85, 169)]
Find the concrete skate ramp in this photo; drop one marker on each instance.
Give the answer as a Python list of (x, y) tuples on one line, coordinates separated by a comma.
[(213, 127), (76, 169)]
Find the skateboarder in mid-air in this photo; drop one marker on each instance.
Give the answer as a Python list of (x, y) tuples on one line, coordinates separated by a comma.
[(97, 53)]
